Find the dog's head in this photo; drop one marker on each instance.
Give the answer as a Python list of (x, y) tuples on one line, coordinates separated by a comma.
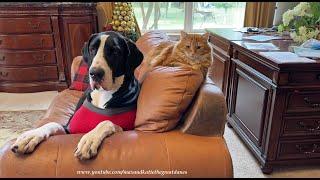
[(112, 59)]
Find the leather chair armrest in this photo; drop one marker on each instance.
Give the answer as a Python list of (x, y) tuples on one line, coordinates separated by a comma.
[(129, 150), (75, 66), (61, 108), (206, 116)]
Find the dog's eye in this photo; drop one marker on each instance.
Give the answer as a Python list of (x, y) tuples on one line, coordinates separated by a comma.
[(187, 46), (91, 50), (198, 47)]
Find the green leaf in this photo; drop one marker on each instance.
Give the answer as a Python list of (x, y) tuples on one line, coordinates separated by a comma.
[(315, 9), (281, 28)]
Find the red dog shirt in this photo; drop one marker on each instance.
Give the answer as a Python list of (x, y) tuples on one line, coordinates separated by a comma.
[(88, 116)]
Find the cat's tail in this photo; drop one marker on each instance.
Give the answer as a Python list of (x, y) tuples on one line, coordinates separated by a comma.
[(162, 57)]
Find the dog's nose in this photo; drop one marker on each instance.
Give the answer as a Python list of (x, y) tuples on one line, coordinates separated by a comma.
[(96, 73)]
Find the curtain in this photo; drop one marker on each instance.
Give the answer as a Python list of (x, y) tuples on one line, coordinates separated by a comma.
[(105, 13), (259, 14)]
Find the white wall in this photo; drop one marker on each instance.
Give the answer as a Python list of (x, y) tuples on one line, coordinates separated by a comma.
[(281, 8)]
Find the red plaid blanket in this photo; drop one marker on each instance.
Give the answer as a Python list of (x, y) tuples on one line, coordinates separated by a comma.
[(81, 78)]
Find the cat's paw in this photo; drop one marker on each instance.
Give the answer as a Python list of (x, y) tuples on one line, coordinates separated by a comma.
[(27, 142)]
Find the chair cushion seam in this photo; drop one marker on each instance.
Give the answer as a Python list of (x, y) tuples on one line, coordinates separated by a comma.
[(167, 151), (57, 159)]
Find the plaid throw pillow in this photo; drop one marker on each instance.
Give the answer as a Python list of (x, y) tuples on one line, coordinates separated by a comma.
[(81, 78)]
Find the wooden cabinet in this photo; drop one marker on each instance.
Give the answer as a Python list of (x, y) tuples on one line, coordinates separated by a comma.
[(250, 102), (78, 32), (273, 106), (221, 64), (38, 42), (221, 56)]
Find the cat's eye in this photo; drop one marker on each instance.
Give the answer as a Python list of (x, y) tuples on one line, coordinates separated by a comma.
[(187, 46), (198, 47)]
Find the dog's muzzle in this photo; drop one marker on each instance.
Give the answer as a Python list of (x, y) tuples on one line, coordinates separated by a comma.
[(96, 75)]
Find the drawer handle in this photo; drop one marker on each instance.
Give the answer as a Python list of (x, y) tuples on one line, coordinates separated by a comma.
[(3, 58), (38, 43), (4, 74), (34, 26), (309, 128), (0, 41), (42, 73), (314, 105), (39, 58), (305, 150)]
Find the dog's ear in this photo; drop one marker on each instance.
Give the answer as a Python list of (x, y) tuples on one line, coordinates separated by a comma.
[(85, 52), (135, 56), (87, 57)]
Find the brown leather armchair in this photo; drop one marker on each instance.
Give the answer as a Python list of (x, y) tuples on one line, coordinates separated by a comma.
[(196, 148)]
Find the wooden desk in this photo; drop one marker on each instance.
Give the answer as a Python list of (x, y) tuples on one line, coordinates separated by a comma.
[(274, 107)]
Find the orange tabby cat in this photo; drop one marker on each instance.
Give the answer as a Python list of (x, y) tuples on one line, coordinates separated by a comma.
[(192, 51)]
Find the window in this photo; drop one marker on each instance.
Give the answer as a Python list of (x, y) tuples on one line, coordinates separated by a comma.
[(188, 16)]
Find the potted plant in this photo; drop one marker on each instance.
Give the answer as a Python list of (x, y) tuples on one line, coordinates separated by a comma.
[(304, 19)]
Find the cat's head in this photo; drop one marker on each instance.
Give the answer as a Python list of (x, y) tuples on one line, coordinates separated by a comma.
[(194, 46)]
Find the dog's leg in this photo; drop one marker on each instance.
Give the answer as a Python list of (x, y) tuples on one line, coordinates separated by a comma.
[(90, 142), (27, 142)]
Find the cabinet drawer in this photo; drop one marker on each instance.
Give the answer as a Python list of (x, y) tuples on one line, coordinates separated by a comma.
[(304, 78), (300, 149), (30, 41), (25, 25), (23, 58), (303, 101), (301, 126), (29, 74)]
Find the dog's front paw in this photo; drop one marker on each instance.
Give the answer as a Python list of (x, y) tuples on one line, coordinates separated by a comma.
[(90, 142), (27, 142), (88, 146)]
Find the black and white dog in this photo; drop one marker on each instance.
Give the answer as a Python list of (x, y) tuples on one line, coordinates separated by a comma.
[(112, 59)]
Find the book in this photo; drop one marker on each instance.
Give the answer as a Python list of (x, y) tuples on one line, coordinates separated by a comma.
[(285, 57), (307, 52), (261, 46), (262, 37)]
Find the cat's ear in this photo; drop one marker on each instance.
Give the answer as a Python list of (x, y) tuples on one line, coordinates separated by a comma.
[(183, 34), (205, 36)]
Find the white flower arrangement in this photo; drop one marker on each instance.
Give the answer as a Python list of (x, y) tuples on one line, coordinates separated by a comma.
[(305, 18)]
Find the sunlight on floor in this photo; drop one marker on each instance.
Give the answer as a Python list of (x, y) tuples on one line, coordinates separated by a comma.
[(26, 101)]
